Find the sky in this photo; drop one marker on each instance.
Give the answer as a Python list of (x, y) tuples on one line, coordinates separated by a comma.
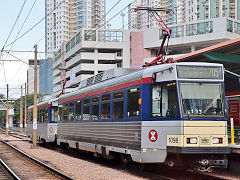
[(15, 73)]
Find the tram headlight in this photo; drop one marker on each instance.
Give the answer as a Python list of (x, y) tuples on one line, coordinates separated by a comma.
[(192, 140), (216, 140)]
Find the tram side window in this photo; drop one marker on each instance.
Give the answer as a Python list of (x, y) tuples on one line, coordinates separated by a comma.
[(65, 112), (95, 107), (71, 111), (118, 105), (60, 109), (54, 115), (86, 109), (45, 115), (105, 107), (133, 95), (41, 115), (164, 100), (78, 110)]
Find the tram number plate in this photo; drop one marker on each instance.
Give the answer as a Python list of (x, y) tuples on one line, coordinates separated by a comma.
[(173, 140)]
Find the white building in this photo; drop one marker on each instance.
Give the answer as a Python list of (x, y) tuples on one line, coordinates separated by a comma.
[(188, 37), (147, 21), (66, 17), (134, 17), (90, 52), (187, 11)]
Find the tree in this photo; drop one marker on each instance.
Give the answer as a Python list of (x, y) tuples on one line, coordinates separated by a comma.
[(2, 96), (2, 113), (16, 106)]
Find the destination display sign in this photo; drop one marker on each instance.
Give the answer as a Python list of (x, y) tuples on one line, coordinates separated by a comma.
[(199, 72)]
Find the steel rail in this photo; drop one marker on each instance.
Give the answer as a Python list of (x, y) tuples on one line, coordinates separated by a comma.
[(9, 170), (62, 175)]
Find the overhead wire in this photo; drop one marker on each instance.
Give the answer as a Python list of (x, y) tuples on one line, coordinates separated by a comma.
[(98, 21), (35, 24), (26, 33), (22, 25), (14, 24), (97, 28), (1, 56), (16, 38)]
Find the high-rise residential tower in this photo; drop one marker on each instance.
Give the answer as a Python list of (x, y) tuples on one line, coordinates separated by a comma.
[(134, 17), (188, 11), (66, 17)]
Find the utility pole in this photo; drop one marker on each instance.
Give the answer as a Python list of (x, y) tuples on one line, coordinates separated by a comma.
[(27, 82), (7, 114), (35, 101), (25, 120), (21, 112)]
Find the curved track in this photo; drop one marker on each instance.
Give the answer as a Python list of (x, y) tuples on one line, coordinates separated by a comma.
[(27, 167)]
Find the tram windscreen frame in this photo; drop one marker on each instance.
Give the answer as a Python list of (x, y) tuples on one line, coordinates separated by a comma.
[(203, 99), (199, 72)]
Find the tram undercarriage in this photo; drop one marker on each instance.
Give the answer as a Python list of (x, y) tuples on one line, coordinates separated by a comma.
[(199, 162)]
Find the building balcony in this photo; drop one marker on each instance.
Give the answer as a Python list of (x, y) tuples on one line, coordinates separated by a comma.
[(56, 72), (85, 56), (199, 34), (57, 63), (57, 79)]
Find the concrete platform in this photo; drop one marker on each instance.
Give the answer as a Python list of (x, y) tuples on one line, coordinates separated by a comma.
[(235, 148)]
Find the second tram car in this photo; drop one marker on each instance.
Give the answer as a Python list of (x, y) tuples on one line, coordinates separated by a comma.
[(47, 116), (170, 113)]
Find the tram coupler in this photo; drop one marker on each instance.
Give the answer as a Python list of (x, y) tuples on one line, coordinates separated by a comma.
[(207, 165)]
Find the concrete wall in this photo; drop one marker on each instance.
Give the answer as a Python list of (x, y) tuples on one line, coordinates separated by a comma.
[(138, 53)]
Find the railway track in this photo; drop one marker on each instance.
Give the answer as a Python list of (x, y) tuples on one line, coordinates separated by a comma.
[(27, 167), (151, 172), (6, 173)]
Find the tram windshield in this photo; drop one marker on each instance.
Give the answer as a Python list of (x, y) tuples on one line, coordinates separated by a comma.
[(202, 99)]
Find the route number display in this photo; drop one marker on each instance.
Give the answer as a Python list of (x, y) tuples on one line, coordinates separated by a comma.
[(199, 72)]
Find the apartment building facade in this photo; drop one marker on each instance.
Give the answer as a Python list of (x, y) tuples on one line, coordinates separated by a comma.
[(186, 11), (64, 18), (88, 53)]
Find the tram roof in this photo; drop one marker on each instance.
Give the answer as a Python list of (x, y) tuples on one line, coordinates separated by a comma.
[(226, 53)]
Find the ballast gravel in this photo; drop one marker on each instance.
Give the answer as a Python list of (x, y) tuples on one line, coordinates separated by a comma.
[(75, 167)]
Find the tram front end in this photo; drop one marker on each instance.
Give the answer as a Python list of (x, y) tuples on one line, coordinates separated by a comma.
[(203, 141)]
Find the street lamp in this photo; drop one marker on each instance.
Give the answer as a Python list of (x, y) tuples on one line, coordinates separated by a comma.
[(122, 14)]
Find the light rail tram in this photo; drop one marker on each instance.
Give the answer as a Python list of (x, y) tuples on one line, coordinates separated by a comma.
[(171, 113), (47, 117)]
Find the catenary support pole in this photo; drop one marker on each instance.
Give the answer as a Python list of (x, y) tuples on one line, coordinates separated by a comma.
[(21, 113), (25, 120), (35, 100), (7, 126), (27, 82)]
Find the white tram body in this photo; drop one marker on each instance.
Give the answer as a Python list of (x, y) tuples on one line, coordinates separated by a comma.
[(169, 113), (46, 120)]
